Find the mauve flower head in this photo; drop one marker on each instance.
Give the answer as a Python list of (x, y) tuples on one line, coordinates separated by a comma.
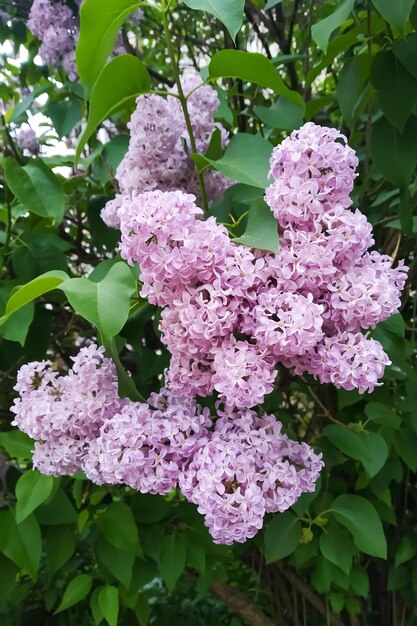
[(66, 410), (315, 154), (146, 445), (156, 158), (175, 249), (246, 469), (26, 139), (287, 324), (242, 373), (55, 25), (367, 293), (348, 360)]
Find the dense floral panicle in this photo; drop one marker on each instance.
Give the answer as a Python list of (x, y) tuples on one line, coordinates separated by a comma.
[(60, 457), (201, 104), (146, 445), (175, 249), (348, 235), (26, 139), (199, 320), (55, 25), (348, 360), (189, 376), (367, 293), (156, 158), (232, 314), (304, 264), (242, 373), (60, 409), (318, 156), (248, 468), (286, 323)]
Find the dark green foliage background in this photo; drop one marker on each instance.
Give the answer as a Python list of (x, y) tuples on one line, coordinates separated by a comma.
[(75, 553)]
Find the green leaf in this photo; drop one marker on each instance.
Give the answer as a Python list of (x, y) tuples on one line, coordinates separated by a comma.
[(59, 546), (142, 610), (322, 30), (214, 149), (196, 555), (21, 543), (394, 154), (117, 87), (95, 607), (39, 253), (78, 588), (337, 601), (32, 489), (118, 562), (262, 229), (8, 578), (106, 303), (230, 13), (23, 105), (238, 161), (368, 448), (406, 551), (64, 115), (382, 414), (405, 443), (58, 510), (359, 580), (17, 444), (359, 516), (100, 21), (17, 327), (282, 536), (36, 187), (350, 86), (119, 528), (172, 561), (32, 290), (223, 111), (395, 12), (284, 114), (337, 547), (405, 49), (251, 67), (108, 600), (396, 88)]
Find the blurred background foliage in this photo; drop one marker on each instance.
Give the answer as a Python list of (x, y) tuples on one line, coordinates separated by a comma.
[(75, 553)]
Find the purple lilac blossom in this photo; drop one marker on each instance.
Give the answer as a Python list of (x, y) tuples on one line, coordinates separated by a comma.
[(156, 158), (248, 468), (232, 314), (27, 140), (146, 446), (56, 27), (64, 413)]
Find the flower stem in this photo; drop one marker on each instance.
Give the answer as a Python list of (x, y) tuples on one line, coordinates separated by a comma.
[(182, 98)]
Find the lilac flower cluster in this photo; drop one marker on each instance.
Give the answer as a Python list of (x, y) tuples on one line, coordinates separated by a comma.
[(247, 469), (146, 445), (156, 158), (231, 313), (27, 140), (56, 26), (63, 414), (236, 472)]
